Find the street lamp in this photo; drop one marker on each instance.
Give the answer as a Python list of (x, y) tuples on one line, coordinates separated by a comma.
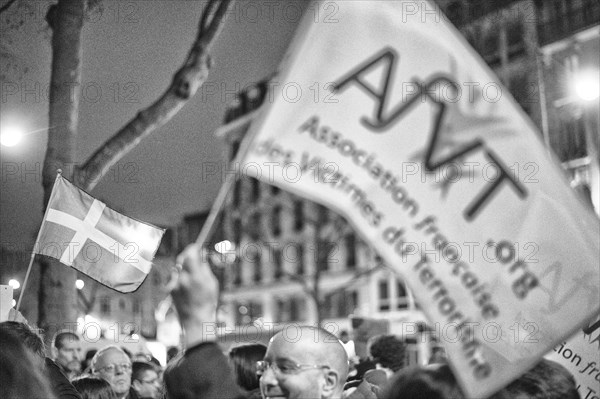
[(10, 136), (587, 84)]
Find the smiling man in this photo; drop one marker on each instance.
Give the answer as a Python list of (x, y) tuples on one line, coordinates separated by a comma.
[(303, 363), (113, 365), (66, 352)]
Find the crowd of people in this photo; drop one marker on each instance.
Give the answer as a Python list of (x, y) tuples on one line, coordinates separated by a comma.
[(313, 364)]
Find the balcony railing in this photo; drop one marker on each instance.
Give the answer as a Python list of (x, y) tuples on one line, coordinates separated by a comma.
[(568, 23)]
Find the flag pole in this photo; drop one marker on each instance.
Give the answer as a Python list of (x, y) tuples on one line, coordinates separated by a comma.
[(58, 175), (25, 281)]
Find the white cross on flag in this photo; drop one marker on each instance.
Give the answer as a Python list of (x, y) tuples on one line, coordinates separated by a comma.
[(84, 233)]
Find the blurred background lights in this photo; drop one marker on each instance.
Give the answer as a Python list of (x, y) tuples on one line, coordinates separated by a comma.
[(223, 246), (79, 284), (14, 284)]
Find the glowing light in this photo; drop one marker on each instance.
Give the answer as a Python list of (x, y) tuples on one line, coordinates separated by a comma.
[(14, 284), (224, 246), (14, 303), (135, 337), (10, 136), (79, 284), (587, 85)]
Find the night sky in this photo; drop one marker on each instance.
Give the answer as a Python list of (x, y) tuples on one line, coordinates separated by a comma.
[(130, 51)]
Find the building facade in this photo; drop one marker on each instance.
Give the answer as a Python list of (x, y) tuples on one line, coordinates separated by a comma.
[(547, 54), (296, 262)]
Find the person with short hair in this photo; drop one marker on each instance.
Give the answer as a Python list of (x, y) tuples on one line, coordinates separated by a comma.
[(389, 353), (145, 380), (430, 382), (243, 360), (311, 364), (21, 373), (112, 364), (30, 338), (66, 353), (546, 380), (91, 387)]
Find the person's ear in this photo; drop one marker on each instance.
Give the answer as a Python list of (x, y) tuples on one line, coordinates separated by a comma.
[(331, 382)]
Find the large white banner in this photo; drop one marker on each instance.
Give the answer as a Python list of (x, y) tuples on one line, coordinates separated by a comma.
[(384, 113), (581, 356)]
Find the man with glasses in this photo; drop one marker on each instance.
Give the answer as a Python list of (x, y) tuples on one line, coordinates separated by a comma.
[(303, 362), (306, 362), (112, 364), (145, 380)]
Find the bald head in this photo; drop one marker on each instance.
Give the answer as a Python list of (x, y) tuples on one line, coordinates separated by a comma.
[(305, 362)]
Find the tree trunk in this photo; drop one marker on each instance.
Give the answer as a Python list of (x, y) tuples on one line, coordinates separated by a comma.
[(57, 294)]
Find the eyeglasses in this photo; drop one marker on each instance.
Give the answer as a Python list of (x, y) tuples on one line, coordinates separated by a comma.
[(111, 368), (284, 367)]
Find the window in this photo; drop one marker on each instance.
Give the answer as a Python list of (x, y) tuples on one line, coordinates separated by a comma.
[(401, 295), (254, 227), (324, 250), (237, 232), (282, 315), (257, 264), (105, 305), (276, 221), (322, 213), (350, 302), (298, 215), (491, 46), (247, 311), (384, 296), (237, 274), (255, 189), (515, 39), (291, 309), (299, 259), (294, 309), (350, 244), (340, 304), (571, 142), (277, 264)]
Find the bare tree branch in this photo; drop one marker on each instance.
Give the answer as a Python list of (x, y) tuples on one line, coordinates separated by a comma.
[(88, 304), (355, 276), (7, 6), (188, 79)]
